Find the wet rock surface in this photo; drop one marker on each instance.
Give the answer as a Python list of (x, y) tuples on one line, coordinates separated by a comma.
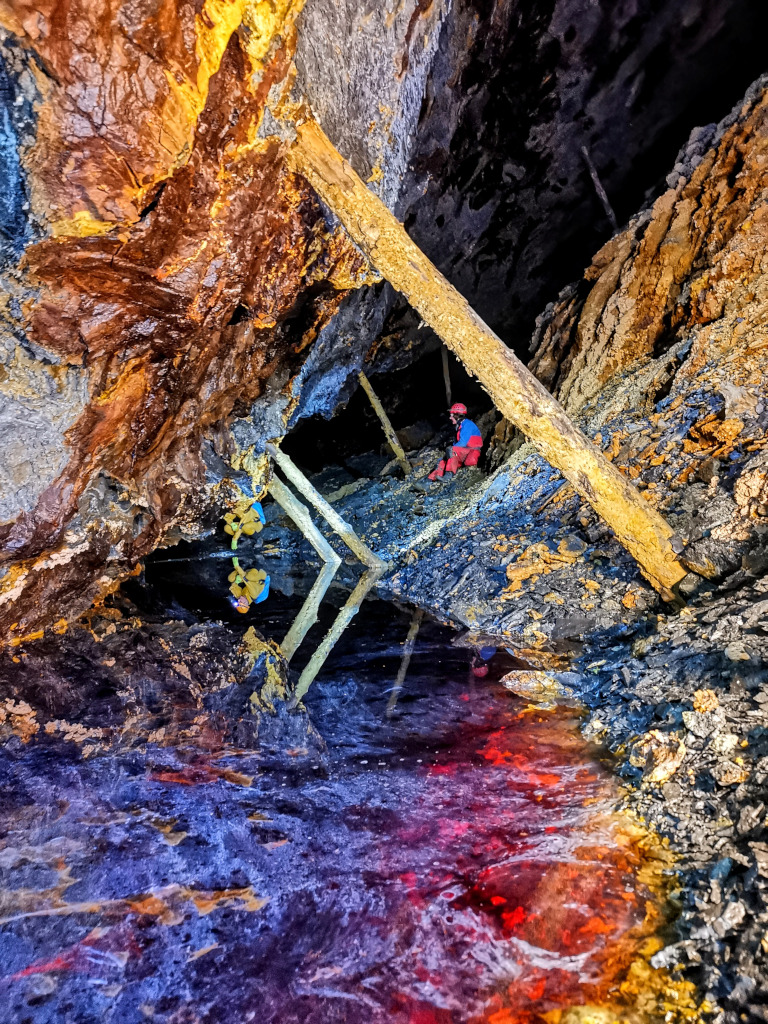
[(697, 683), (510, 207), (116, 678), (671, 277), (676, 694), (174, 296)]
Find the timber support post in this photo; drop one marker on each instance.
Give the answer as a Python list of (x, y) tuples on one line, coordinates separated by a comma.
[(331, 516), (446, 377), (389, 431), (515, 391), (601, 193), (308, 612), (402, 672)]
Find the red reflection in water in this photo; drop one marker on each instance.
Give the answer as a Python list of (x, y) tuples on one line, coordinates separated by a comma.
[(102, 953), (489, 885), (530, 902)]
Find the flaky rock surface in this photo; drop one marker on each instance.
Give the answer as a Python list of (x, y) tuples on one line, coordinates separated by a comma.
[(691, 267), (168, 266)]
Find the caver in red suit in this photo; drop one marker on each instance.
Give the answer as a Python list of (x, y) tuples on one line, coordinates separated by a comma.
[(469, 442)]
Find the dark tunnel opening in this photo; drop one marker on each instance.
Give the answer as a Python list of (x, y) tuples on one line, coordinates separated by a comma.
[(510, 213), (414, 398)]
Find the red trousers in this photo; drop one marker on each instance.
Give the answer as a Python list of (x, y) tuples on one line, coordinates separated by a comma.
[(459, 457)]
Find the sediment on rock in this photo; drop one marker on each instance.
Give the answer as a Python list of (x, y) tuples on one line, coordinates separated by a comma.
[(176, 296)]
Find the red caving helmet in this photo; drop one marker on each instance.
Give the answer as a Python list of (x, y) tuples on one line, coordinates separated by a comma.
[(458, 409)]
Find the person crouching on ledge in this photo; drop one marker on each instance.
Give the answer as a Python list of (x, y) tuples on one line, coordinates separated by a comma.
[(469, 442)]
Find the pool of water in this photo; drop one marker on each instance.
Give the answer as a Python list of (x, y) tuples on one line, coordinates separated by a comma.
[(457, 862)]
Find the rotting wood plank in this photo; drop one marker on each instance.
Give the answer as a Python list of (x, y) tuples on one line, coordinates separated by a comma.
[(308, 612), (515, 391)]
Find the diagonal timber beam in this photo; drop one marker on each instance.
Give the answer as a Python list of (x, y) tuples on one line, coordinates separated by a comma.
[(308, 613), (342, 528), (389, 430), (513, 388), (300, 515)]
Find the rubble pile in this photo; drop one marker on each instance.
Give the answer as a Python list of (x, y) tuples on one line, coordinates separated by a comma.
[(685, 705)]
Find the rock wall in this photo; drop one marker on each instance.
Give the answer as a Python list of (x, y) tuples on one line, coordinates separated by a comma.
[(172, 295), (691, 267), (671, 385), (161, 266)]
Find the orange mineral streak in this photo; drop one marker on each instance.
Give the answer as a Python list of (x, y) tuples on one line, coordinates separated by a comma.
[(180, 247), (131, 83), (170, 905), (113, 123)]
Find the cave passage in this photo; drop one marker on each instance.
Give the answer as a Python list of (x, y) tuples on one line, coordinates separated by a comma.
[(414, 399), (516, 781)]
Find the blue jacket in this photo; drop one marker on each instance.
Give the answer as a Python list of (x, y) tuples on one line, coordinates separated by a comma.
[(466, 430)]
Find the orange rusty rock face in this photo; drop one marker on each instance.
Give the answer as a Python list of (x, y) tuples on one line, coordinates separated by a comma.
[(178, 247), (695, 259)]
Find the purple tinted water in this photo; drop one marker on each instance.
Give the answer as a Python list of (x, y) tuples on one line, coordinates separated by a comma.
[(458, 863)]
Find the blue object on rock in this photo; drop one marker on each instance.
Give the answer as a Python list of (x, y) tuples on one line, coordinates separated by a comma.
[(264, 594)]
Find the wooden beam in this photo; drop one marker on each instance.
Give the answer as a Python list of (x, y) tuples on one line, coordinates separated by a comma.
[(389, 431), (446, 377), (331, 516), (308, 612), (515, 391), (602, 195), (300, 515)]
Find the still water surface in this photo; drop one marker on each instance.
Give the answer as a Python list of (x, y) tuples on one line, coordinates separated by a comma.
[(457, 863)]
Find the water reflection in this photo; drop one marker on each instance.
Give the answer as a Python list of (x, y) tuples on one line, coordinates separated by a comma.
[(457, 863), (348, 611)]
